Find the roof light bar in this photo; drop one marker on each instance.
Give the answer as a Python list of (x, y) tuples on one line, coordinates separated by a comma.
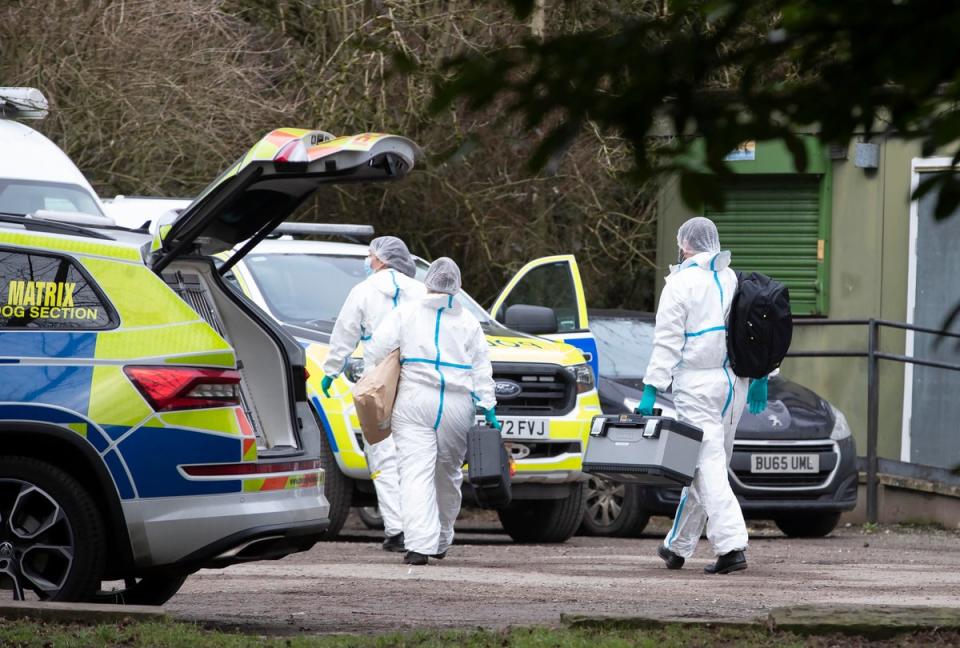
[(22, 103), (326, 229)]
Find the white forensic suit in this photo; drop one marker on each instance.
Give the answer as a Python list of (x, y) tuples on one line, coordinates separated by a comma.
[(690, 351), (445, 373), (366, 306)]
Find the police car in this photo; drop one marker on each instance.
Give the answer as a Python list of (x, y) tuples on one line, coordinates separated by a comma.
[(152, 421)]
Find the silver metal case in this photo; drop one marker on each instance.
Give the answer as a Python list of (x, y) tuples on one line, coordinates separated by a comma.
[(649, 450)]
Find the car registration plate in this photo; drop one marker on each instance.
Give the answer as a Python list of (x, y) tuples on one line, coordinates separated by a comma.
[(784, 463), (517, 427)]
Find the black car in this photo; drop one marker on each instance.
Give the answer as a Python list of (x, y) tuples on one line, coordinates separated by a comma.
[(794, 463)]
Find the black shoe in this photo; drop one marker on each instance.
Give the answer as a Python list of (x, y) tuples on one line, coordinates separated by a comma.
[(414, 558), (672, 560), (394, 543), (439, 556), (727, 563)]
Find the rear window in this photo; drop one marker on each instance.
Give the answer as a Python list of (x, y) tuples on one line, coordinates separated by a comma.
[(41, 291), (27, 196)]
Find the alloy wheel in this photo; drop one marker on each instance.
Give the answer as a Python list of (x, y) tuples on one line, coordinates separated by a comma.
[(604, 501), (36, 541)]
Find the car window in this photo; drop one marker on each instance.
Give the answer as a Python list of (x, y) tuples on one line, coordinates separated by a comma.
[(39, 291), (310, 289), (305, 288), (548, 285), (624, 345), (28, 196)]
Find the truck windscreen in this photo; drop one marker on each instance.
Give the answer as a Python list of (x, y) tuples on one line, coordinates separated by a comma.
[(310, 289)]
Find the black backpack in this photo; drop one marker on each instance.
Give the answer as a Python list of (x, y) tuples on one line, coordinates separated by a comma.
[(760, 326)]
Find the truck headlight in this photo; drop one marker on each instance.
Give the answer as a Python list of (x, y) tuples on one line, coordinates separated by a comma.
[(583, 375), (841, 429), (353, 369)]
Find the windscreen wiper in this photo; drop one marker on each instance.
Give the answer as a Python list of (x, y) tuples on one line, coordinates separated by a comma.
[(51, 227)]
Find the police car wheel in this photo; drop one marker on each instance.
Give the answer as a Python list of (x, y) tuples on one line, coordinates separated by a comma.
[(337, 488), (52, 537), (808, 525), (612, 509), (370, 516), (152, 590), (546, 521)]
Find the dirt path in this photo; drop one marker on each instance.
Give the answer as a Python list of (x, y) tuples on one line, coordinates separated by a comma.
[(353, 586)]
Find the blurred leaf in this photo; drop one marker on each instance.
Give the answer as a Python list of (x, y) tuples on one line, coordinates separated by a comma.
[(946, 324), (548, 154), (949, 197), (701, 189), (798, 150), (928, 183), (946, 128), (522, 8), (403, 63)]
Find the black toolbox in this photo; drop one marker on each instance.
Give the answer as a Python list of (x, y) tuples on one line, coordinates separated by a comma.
[(648, 450), (488, 467)]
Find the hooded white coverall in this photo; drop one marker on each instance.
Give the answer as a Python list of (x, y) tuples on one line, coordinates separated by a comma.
[(445, 373), (690, 351), (365, 308)]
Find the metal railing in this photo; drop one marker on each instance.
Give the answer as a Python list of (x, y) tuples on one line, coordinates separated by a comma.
[(874, 356)]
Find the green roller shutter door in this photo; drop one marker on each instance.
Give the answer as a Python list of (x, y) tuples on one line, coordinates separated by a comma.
[(772, 224)]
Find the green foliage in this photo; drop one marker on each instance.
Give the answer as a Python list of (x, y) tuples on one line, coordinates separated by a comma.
[(729, 71)]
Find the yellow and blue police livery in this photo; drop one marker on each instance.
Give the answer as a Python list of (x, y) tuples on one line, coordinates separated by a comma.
[(153, 421)]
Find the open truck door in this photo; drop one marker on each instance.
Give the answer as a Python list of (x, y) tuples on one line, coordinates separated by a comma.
[(546, 298)]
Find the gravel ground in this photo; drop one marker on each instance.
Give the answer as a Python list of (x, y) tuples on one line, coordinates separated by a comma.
[(487, 581)]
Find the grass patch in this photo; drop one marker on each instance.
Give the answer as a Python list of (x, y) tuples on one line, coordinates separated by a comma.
[(30, 634)]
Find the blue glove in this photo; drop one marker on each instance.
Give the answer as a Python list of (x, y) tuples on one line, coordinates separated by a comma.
[(645, 408), (491, 416), (757, 395), (325, 385)]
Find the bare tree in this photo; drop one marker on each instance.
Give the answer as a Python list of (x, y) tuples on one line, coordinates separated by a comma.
[(158, 97)]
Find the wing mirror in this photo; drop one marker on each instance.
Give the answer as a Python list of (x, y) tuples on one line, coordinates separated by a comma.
[(536, 320)]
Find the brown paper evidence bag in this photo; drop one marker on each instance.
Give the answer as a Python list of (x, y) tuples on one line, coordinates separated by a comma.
[(374, 395)]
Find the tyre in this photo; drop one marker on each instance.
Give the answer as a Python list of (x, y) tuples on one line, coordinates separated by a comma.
[(612, 509), (543, 521), (152, 590), (371, 518), (808, 525), (337, 488), (52, 536)]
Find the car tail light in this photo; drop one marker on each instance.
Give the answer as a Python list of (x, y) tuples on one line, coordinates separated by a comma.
[(249, 468), (293, 151), (178, 388)]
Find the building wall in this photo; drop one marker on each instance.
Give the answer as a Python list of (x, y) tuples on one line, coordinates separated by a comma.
[(867, 255)]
